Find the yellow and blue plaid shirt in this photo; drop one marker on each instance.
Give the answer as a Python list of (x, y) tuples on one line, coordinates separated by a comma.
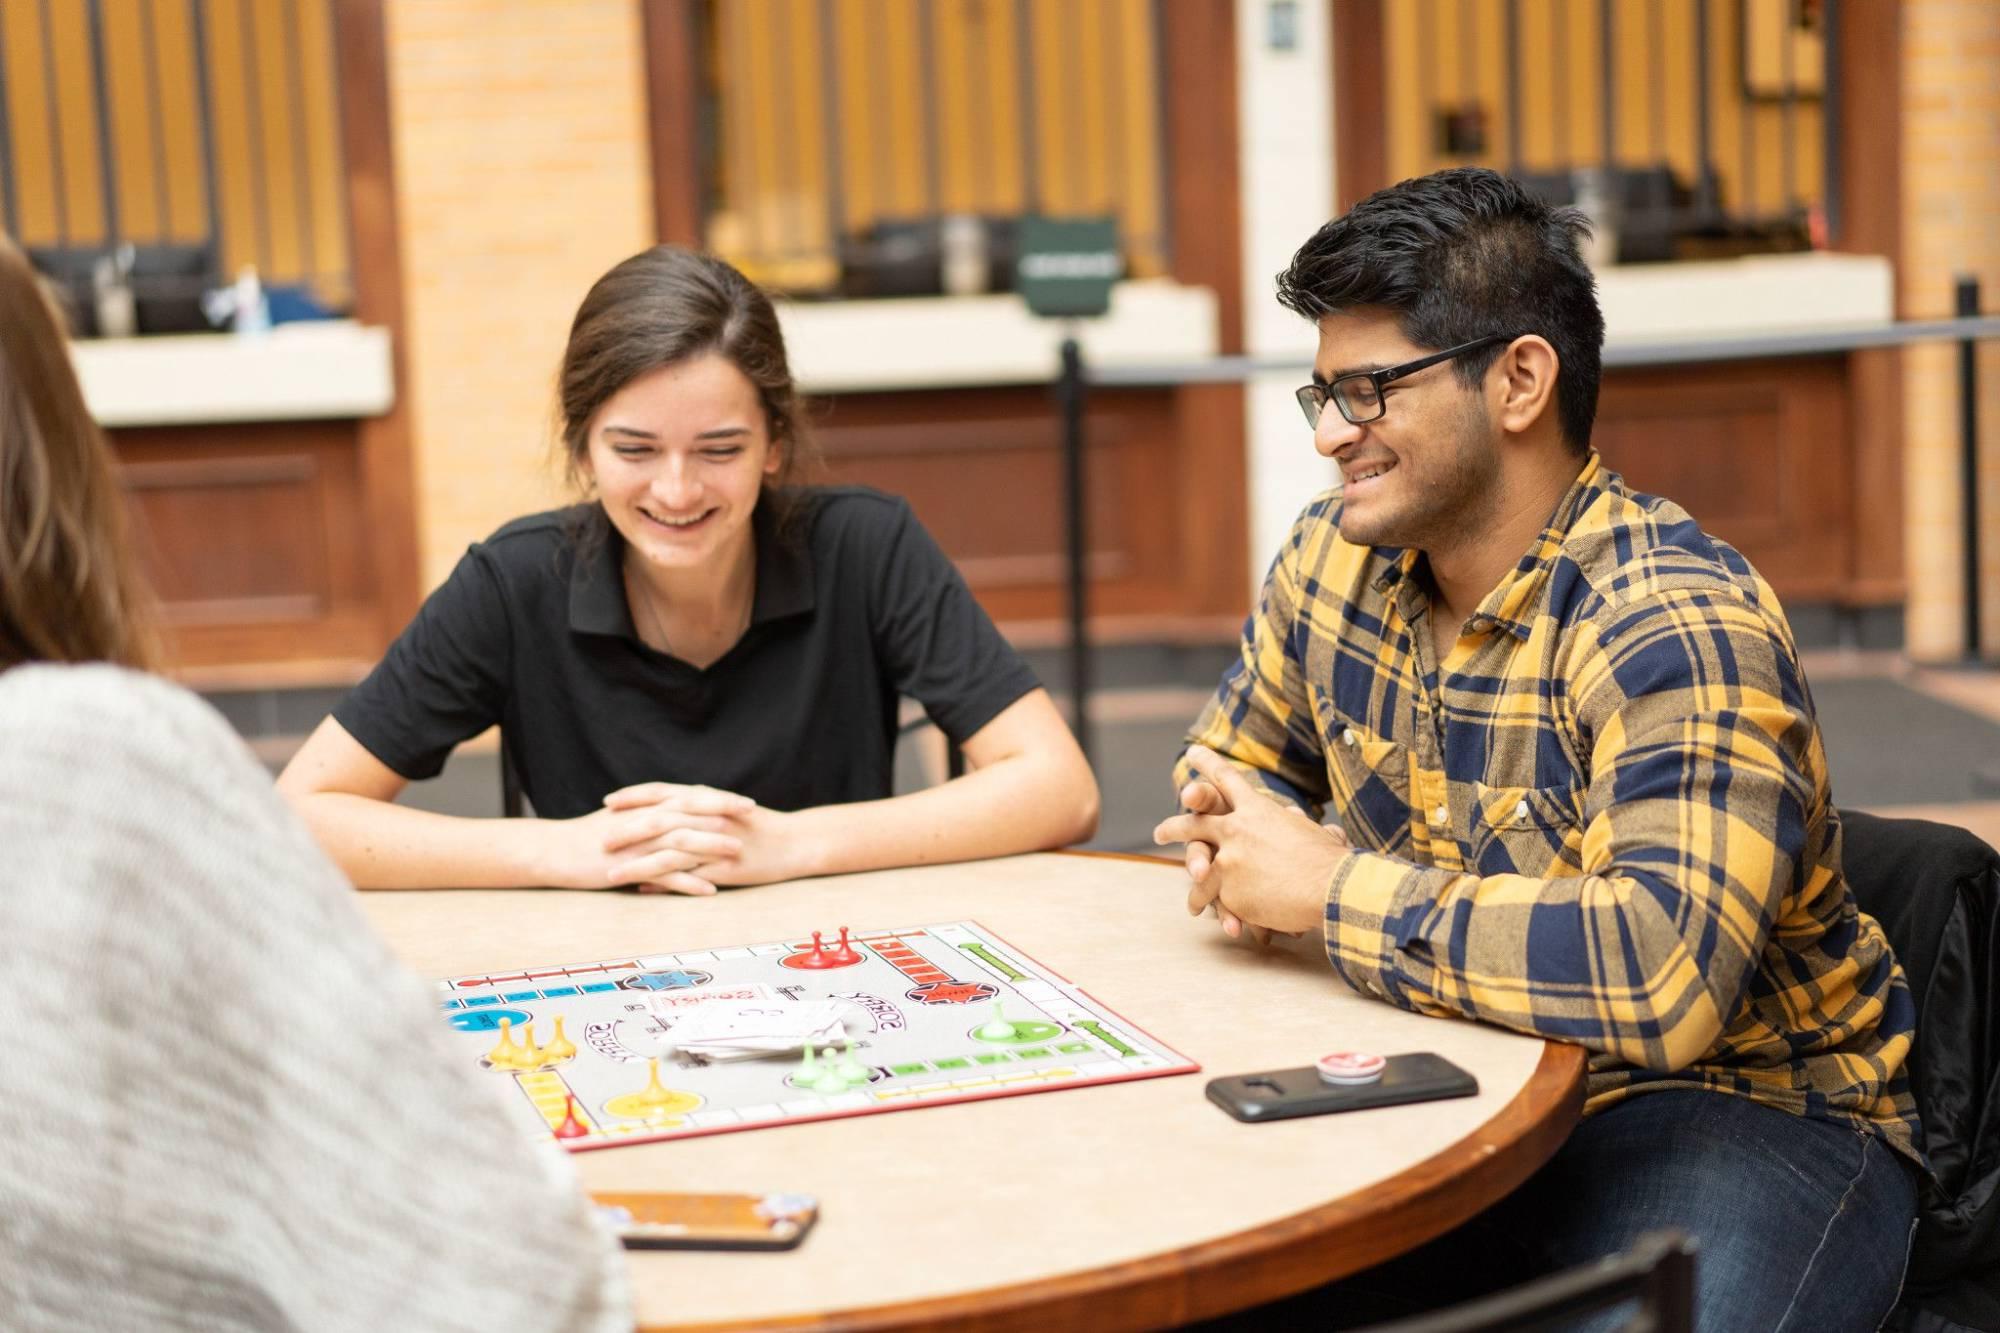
[(1603, 818)]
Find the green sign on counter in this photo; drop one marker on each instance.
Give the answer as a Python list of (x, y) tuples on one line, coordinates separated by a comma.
[(1067, 265)]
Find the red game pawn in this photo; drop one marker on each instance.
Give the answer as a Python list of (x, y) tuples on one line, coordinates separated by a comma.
[(571, 1127), (821, 956), (818, 958)]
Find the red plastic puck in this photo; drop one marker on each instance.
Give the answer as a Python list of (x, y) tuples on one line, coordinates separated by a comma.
[(1350, 1067)]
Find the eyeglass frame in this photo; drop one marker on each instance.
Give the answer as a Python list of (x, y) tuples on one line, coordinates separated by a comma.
[(1313, 398)]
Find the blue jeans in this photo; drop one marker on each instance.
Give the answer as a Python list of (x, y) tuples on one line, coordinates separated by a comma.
[(1800, 1224)]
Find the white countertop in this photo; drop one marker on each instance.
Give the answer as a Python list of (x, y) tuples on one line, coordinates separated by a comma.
[(338, 368), (924, 342), (322, 369), (1729, 298), (939, 342)]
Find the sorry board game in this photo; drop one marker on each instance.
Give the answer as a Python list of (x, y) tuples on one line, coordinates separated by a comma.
[(899, 1019)]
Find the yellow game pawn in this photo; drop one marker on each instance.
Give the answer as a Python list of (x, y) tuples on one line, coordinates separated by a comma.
[(505, 1055), (654, 1094), (531, 1058), (560, 1047), (654, 1103)]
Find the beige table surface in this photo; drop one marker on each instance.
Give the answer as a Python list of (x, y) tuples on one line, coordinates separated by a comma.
[(1126, 1205)]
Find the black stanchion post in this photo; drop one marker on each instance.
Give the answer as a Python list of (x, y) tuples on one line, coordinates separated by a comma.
[(1968, 440), (1070, 390), (1064, 271)]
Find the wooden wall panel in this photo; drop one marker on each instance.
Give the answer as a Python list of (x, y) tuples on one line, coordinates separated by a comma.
[(369, 195), (256, 541), (1210, 506), (983, 469), (233, 537), (673, 107), (1869, 221), (1359, 101), (1756, 452)]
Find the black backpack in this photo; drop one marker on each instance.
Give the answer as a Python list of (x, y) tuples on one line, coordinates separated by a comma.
[(1936, 891)]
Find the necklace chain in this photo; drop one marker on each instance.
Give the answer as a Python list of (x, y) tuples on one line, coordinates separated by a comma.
[(646, 595), (643, 590)]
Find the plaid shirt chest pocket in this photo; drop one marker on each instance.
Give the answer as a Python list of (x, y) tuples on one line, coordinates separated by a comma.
[(1370, 782), (1535, 831)]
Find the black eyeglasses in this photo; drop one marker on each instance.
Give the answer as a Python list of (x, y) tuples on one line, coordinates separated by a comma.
[(1359, 396)]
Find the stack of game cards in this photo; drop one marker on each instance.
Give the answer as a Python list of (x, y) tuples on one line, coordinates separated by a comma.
[(742, 1025)]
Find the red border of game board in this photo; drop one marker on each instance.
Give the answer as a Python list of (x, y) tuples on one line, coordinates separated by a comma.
[(1186, 1066)]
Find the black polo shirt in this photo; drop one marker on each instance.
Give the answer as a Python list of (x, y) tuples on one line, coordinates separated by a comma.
[(532, 631)]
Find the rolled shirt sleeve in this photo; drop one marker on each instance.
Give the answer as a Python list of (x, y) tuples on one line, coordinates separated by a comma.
[(1260, 718)]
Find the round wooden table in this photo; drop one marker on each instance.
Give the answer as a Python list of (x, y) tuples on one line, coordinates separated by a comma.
[(1118, 1206)]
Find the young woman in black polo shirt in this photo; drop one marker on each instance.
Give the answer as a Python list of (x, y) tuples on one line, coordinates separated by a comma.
[(697, 672)]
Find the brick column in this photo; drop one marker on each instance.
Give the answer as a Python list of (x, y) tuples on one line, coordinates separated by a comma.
[(1951, 200), (522, 173)]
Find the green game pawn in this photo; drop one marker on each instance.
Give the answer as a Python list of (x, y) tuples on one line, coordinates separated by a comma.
[(808, 1070), (830, 1082), (997, 1028), (851, 1069)]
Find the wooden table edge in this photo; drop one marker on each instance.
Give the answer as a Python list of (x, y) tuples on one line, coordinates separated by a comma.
[(1263, 1263)]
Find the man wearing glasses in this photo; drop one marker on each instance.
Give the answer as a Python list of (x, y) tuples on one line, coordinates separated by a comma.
[(1567, 737)]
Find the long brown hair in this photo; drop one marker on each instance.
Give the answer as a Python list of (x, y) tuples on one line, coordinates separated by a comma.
[(665, 305), (69, 590)]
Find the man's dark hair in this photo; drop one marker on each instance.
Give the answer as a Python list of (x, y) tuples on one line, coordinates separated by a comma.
[(1458, 255)]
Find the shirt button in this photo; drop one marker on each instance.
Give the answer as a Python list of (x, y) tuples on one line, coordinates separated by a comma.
[(1440, 815), (1520, 810), (1349, 737)]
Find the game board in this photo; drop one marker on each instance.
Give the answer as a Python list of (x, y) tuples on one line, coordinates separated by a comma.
[(914, 1001)]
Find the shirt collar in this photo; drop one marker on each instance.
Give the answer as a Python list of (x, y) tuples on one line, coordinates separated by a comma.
[(1398, 564), (1511, 604), (597, 602)]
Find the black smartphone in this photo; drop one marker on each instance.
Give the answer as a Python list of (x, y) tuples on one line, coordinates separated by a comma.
[(709, 1221), (1280, 1094)]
